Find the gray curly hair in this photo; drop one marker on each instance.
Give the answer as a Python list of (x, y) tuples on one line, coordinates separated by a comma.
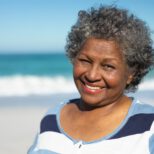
[(112, 23)]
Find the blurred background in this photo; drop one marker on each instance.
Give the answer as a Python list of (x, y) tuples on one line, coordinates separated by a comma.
[(35, 74)]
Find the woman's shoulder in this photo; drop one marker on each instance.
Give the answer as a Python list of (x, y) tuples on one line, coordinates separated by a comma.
[(142, 116), (56, 108), (143, 108), (50, 122)]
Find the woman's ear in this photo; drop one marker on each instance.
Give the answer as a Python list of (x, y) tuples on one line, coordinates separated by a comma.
[(130, 78)]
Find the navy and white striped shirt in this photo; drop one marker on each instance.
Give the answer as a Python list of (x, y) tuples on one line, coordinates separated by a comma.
[(135, 135)]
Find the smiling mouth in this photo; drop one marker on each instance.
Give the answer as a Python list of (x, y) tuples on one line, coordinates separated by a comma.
[(92, 89)]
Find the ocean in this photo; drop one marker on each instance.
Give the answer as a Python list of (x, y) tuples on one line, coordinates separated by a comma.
[(42, 74)]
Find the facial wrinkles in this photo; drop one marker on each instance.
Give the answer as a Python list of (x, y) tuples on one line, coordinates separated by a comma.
[(96, 63), (105, 55)]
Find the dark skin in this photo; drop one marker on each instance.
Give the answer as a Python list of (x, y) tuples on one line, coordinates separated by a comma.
[(101, 75)]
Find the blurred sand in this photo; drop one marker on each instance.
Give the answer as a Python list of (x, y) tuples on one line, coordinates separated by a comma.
[(18, 128), (20, 118)]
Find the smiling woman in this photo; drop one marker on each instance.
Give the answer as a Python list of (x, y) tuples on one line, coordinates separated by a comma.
[(100, 72), (111, 51)]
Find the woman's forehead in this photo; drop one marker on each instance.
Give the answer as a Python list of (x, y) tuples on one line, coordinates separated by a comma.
[(101, 46)]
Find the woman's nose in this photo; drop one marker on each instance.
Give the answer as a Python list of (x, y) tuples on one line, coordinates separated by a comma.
[(93, 74)]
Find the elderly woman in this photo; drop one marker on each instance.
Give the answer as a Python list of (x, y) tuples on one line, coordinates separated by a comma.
[(111, 52)]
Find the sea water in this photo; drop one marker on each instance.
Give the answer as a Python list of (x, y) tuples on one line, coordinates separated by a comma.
[(42, 74)]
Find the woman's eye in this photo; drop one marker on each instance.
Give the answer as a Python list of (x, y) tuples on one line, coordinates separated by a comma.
[(108, 67), (84, 60)]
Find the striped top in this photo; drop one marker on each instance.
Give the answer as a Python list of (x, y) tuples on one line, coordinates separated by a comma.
[(135, 135)]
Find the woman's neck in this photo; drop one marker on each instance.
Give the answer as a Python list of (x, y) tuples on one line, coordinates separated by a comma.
[(123, 103)]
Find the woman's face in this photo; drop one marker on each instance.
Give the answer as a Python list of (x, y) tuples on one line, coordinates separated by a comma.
[(100, 72)]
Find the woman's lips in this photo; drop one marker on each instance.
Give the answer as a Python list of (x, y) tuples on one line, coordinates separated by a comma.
[(92, 89)]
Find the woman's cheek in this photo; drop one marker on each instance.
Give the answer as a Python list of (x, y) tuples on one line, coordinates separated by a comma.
[(77, 70), (112, 79)]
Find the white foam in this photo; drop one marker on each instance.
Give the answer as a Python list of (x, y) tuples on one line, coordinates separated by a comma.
[(34, 85), (37, 85)]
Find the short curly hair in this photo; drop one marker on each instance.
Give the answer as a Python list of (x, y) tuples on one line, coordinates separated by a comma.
[(128, 31)]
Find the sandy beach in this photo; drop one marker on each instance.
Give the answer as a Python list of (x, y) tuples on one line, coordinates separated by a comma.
[(18, 128), (20, 118)]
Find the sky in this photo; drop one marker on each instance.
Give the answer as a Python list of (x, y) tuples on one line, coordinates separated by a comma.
[(43, 25)]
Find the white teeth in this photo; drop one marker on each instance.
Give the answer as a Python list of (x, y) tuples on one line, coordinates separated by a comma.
[(93, 88)]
